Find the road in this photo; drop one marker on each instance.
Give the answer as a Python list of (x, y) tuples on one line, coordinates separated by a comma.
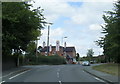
[(59, 74)]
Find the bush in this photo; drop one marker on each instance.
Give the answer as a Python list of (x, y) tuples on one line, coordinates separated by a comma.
[(50, 60)]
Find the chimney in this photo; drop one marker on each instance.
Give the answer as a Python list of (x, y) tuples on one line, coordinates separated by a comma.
[(57, 45), (43, 44)]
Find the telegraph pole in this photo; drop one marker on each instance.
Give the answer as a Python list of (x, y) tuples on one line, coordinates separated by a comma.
[(48, 38), (48, 41)]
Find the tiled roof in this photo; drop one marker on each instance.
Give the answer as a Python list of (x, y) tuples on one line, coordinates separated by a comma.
[(67, 49), (45, 48)]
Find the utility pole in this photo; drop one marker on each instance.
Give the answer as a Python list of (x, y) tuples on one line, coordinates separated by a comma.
[(48, 38), (36, 51), (48, 41)]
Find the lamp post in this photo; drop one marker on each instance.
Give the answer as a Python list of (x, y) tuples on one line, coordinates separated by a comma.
[(38, 38), (63, 43), (48, 38)]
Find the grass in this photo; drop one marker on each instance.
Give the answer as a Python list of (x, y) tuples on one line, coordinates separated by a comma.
[(110, 68)]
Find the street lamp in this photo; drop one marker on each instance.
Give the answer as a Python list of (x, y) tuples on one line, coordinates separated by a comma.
[(62, 40), (63, 44)]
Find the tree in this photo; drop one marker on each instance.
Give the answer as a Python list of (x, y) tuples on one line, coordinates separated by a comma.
[(110, 42), (90, 54), (20, 26), (77, 57)]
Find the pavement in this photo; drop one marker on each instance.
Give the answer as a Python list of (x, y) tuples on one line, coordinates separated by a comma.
[(111, 79)]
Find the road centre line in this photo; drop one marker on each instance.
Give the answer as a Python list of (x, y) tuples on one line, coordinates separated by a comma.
[(18, 74), (58, 74), (60, 82)]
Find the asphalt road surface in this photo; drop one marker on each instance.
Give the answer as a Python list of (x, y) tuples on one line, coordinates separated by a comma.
[(53, 73)]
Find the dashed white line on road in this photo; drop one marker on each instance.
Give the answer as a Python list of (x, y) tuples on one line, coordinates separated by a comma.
[(99, 79), (60, 82), (2, 82), (18, 74), (58, 74)]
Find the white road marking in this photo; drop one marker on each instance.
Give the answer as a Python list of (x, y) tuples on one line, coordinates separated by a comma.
[(7, 75), (58, 74), (60, 82), (99, 79), (2, 82), (18, 74)]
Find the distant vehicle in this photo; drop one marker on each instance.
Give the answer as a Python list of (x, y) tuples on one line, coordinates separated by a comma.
[(74, 61), (86, 63)]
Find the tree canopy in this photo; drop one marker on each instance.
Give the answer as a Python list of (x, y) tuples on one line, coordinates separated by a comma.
[(90, 53), (20, 26), (110, 42)]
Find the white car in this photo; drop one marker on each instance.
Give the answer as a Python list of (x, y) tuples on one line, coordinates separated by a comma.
[(86, 63), (74, 61)]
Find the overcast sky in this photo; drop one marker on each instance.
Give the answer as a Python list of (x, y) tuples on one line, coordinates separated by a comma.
[(79, 20)]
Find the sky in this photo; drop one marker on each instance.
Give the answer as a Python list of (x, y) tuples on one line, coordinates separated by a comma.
[(78, 20)]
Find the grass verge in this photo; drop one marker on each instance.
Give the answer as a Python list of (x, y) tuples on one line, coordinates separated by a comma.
[(110, 68)]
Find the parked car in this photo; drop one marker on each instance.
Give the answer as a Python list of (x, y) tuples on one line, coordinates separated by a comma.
[(86, 63)]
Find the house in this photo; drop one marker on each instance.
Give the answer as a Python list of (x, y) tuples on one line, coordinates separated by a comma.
[(70, 51), (51, 51), (59, 50)]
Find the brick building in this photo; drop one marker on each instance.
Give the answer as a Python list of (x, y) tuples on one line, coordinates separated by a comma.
[(62, 51), (59, 50)]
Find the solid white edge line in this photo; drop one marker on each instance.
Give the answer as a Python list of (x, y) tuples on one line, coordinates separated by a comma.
[(8, 74), (18, 74), (2, 82), (99, 79)]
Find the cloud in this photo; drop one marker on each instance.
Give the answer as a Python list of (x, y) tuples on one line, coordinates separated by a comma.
[(82, 25), (95, 27), (55, 34)]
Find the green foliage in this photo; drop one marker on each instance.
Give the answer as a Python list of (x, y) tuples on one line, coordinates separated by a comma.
[(31, 48), (77, 57), (50, 60), (20, 26), (90, 53), (108, 68), (111, 42)]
